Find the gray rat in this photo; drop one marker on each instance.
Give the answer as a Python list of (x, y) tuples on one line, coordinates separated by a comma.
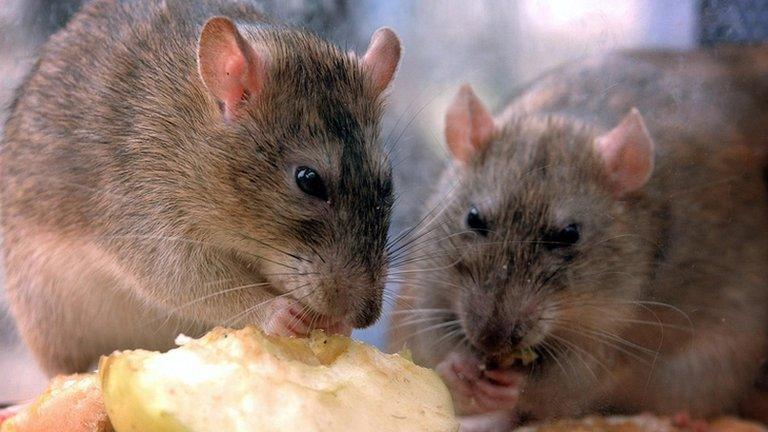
[(175, 165), (613, 219)]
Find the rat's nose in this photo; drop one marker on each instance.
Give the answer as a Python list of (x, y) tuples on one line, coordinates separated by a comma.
[(494, 338), (491, 341), (516, 336)]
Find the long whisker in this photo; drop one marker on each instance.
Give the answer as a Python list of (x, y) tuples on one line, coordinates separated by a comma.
[(575, 348), (263, 303), (596, 336), (269, 246), (553, 353), (215, 294), (435, 327)]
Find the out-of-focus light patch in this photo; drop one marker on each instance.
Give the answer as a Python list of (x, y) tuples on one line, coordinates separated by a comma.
[(570, 15), (595, 25), (619, 23)]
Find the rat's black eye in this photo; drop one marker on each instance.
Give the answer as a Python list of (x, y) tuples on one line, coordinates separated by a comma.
[(310, 182), (565, 237), (475, 222)]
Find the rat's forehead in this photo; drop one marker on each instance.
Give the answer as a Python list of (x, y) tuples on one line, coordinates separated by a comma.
[(531, 141), (536, 193)]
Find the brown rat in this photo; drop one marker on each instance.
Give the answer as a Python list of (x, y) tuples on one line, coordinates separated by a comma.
[(614, 220), (174, 165)]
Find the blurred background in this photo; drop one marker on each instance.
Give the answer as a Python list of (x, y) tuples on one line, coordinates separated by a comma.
[(495, 45)]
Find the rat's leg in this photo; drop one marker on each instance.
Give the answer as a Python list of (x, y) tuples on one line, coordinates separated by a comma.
[(71, 306)]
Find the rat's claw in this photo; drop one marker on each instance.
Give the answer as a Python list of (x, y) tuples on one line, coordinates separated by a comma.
[(476, 391)]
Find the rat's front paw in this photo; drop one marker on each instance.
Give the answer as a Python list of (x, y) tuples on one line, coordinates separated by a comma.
[(499, 421), (683, 419), (287, 317), (6, 413), (477, 391)]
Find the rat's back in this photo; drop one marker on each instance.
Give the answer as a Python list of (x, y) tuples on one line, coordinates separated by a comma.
[(715, 94), (118, 71)]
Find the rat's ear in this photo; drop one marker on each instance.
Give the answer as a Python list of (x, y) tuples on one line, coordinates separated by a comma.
[(382, 57), (469, 126), (230, 68), (627, 153)]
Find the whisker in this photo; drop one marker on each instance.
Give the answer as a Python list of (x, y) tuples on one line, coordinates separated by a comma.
[(613, 343), (263, 303), (434, 327), (426, 310), (575, 347), (267, 245)]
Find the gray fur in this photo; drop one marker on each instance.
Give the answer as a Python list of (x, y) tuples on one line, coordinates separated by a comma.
[(663, 303)]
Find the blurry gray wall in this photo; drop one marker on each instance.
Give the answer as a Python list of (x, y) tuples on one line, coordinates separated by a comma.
[(495, 45), (733, 21)]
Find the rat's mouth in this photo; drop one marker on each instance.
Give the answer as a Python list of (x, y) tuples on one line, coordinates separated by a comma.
[(525, 361), (289, 317)]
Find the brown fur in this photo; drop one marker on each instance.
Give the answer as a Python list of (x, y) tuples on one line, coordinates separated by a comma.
[(664, 304), (132, 211)]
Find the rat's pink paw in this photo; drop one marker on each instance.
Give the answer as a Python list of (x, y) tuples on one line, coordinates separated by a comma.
[(476, 391), (684, 420), (500, 421), (5, 414), (8, 412), (288, 317)]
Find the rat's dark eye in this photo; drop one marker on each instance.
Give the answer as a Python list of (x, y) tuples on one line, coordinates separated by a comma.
[(475, 222), (310, 182), (565, 237)]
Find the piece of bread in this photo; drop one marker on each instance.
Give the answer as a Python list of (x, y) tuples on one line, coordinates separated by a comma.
[(70, 404), (245, 381)]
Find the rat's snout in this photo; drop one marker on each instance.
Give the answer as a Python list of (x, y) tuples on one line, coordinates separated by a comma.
[(350, 291), (335, 288), (496, 336), (492, 328)]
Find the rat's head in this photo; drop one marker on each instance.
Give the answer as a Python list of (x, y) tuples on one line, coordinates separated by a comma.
[(539, 246), (304, 191)]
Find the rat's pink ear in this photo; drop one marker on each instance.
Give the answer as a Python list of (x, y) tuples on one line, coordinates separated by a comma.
[(627, 153), (230, 68), (382, 57), (469, 126)]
